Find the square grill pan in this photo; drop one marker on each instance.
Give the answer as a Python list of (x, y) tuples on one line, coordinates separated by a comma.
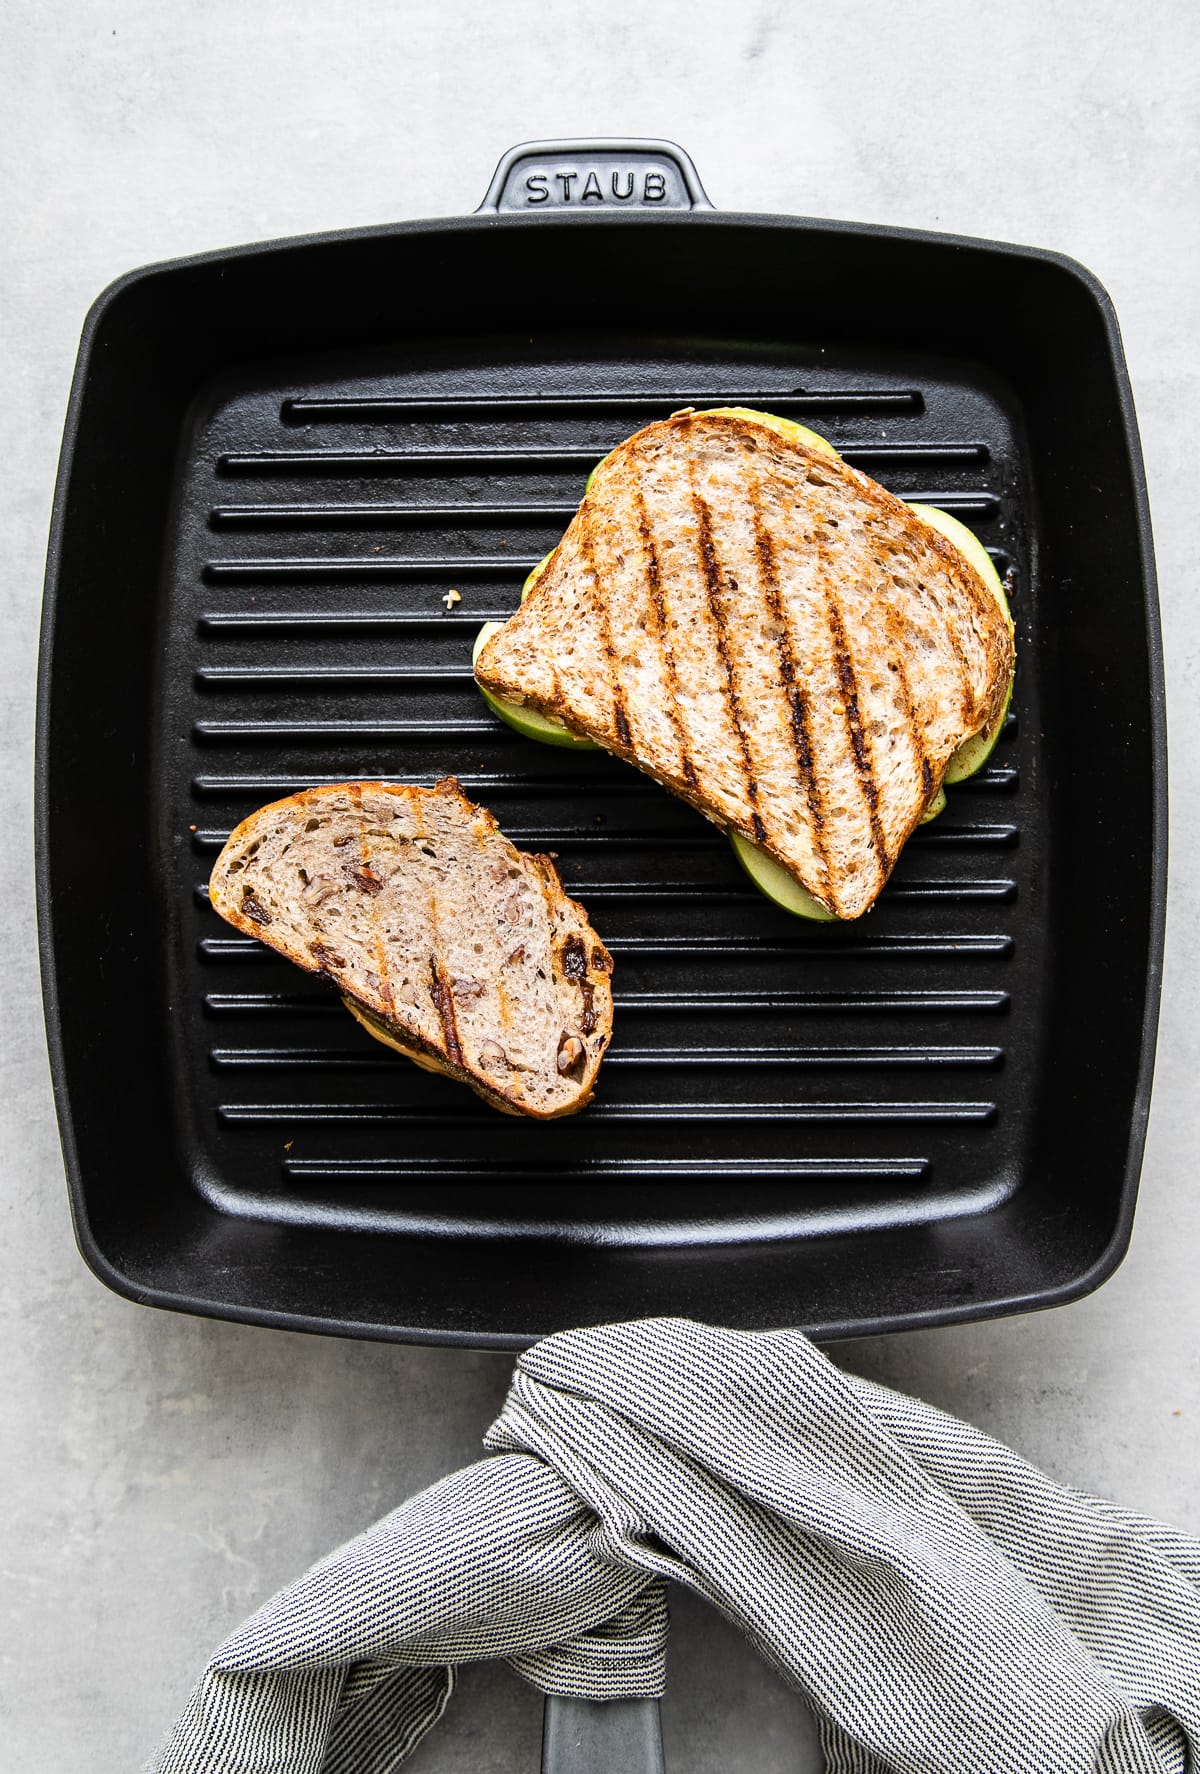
[(277, 463)]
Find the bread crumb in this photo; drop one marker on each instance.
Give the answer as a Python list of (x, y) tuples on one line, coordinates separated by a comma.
[(451, 598)]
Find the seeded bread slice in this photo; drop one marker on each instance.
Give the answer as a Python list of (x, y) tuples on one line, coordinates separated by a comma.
[(769, 633), (447, 943)]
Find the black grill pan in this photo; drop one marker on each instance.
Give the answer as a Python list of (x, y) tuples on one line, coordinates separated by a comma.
[(278, 461)]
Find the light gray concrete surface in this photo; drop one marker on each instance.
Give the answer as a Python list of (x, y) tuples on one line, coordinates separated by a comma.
[(163, 1475)]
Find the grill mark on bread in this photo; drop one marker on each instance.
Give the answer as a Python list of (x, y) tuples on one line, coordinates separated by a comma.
[(500, 939), (848, 684), (793, 695), (620, 714), (502, 1000), (714, 584), (548, 878), (950, 634), (658, 610), (368, 881), (443, 999), (439, 988), (914, 726)]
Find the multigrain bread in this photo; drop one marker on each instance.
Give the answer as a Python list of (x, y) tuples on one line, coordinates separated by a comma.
[(769, 633), (446, 942)]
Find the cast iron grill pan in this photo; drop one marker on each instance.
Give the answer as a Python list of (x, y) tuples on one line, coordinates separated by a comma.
[(832, 1126)]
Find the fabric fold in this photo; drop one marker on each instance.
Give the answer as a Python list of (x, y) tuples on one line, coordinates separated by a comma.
[(941, 1604)]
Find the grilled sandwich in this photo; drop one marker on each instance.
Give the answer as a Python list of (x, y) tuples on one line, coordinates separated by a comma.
[(446, 942), (771, 635)]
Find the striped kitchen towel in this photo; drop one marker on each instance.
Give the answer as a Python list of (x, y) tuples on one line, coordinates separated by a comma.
[(944, 1607)]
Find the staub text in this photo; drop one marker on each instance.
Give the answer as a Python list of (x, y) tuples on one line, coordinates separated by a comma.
[(647, 186)]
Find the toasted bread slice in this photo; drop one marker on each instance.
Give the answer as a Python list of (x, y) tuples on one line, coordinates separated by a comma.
[(770, 634), (447, 943)]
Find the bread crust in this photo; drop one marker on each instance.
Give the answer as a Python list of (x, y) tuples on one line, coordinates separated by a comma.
[(366, 914), (771, 635)]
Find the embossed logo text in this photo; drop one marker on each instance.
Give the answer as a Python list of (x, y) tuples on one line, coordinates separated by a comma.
[(622, 185)]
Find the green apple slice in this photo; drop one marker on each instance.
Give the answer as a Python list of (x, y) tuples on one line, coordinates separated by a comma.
[(969, 545), (527, 721), (771, 878), (973, 753), (536, 573), (936, 806)]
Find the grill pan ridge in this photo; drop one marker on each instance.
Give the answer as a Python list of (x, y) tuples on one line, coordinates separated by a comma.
[(844, 1128)]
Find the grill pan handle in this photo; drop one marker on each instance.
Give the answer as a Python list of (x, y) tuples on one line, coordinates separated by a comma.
[(601, 1737), (596, 177)]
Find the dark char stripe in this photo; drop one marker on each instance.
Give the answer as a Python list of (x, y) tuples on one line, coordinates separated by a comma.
[(662, 633), (848, 684), (914, 725), (443, 999), (714, 580), (368, 882), (798, 716), (951, 637), (620, 713)]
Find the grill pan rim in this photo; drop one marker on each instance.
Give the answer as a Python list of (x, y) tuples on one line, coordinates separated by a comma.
[(847, 1330), (486, 223), (481, 226), (880, 1324)]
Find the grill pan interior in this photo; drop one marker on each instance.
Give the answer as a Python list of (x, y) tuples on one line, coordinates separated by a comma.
[(935, 1112)]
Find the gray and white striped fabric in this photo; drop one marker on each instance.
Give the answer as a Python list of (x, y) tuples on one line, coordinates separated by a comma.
[(941, 1604)]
